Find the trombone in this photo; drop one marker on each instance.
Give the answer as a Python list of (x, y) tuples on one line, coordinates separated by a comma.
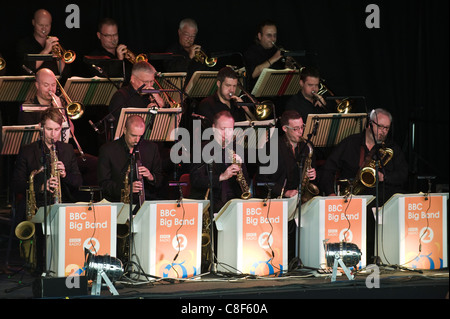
[(262, 109), (172, 103), (67, 56), (343, 106)]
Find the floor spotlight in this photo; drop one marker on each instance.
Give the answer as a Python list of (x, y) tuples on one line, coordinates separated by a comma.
[(104, 267), (343, 254)]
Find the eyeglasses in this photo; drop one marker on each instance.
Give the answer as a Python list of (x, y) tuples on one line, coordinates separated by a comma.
[(297, 128), (149, 82), (381, 127), (110, 36), (189, 36)]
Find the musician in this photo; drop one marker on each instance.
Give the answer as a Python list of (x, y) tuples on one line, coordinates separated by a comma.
[(142, 77), (262, 53), (224, 183), (115, 158), (307, 101), (224, 99), (40, 42), (46, 86), (184, 50), (292, 151), (353, 152), (32, 156), (110, 50)]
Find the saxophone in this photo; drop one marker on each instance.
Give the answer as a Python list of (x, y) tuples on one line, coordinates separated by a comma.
[(54, 172), (309, 190), (240, 178), (25, 230), (125, 191)]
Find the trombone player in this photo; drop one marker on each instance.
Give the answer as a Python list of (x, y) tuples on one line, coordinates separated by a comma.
[(46, 86)]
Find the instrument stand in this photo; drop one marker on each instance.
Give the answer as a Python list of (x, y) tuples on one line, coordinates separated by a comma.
[(338, 261), (97, 284)]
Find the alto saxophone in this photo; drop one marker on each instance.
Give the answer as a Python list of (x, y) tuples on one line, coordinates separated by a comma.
[(125, 191), (54, 172), (309, 190), (240, 178)]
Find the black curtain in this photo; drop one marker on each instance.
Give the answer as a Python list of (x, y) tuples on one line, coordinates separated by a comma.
[(401, 66)]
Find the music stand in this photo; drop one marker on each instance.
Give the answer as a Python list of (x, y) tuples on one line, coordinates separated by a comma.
[(92, 91), (17, 88), (14, 137), (253, 139), (277, 83), (172, 80), (333, 127), (202, 84), (165, 120)]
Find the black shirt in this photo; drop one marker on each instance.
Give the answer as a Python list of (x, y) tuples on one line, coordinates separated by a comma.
[(212, 105), (303, 106)]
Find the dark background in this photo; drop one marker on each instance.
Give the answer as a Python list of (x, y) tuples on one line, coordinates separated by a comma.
[(402, 66)]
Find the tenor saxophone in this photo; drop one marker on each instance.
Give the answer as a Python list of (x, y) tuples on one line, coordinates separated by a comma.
[(240, 178)]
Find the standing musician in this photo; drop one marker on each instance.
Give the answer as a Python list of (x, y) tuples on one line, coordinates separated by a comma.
[(224, 99), (114, 161), (40, 42), (354, 152), (262, 53), (142, 77), (307, 101), (224, 171)]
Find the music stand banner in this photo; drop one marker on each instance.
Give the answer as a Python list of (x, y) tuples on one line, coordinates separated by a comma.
[(178, 233), (263, 233), (86, 228)]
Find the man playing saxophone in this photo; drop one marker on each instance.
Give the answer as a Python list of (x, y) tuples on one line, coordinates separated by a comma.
[(34, 156), (354, 152)]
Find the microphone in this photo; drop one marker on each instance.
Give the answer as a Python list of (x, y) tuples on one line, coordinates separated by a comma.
[(198, 116), (93, 126), (27, 70), (99, 69), (159, 74)]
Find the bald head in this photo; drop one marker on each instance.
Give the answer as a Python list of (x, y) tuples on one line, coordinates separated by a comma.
[(42, 23)]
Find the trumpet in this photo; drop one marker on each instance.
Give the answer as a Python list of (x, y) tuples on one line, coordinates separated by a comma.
[(130, 56), (201, 57), (2, 63), (68, 56)]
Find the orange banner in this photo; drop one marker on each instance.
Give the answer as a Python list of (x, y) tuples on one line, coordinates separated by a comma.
[(263, 238), (178, 234), (89, 229), (423, 244)]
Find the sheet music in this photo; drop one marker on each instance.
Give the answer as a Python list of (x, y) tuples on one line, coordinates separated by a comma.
[(17, 88), (277, 83), (250, 134), (91, 91), (202, 84), (176, 79), (334, 127), (13, 137)]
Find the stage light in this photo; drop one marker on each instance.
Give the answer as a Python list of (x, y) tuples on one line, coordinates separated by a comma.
[(343, 254), (104, 267)]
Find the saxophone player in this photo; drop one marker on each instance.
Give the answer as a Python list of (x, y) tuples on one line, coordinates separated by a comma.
[(292, 150), (226, 171), (33, 156)]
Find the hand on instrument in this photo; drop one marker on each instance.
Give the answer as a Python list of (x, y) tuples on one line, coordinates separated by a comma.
[(121, 50), (311, 173), (145, 172), (52, 184), (231, 171), (193, 49), (318, 100), (49, 43), (137, 186)]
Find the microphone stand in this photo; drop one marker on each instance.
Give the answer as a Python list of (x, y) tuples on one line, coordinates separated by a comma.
[(213, 266), (44, 163)]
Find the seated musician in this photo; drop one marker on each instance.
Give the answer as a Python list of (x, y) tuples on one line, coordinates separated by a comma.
[(142, 77), (357, 151), (29, 160), (114, 162)]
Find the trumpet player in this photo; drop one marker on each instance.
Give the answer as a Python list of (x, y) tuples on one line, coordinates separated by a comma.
[(185, 49), (41, 42), (262, 53)]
